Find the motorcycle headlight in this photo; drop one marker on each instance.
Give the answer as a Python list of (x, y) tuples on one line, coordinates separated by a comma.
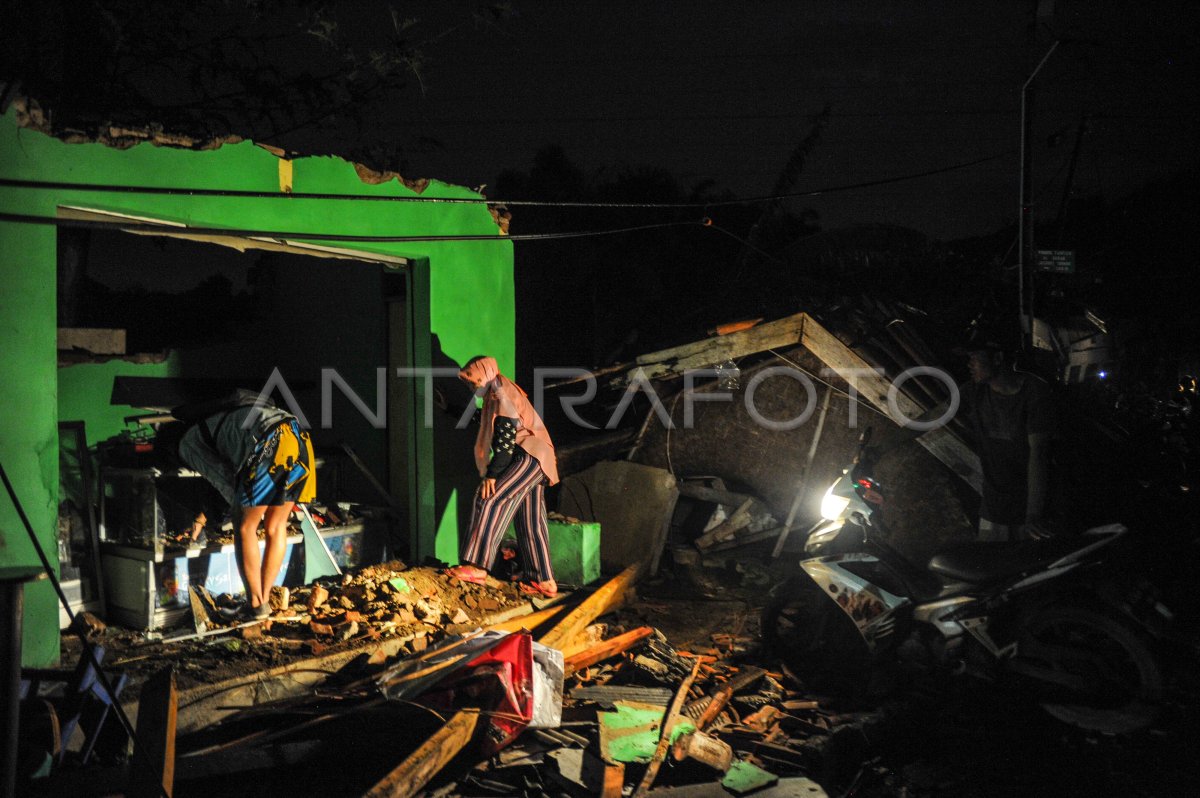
[(833, 506)]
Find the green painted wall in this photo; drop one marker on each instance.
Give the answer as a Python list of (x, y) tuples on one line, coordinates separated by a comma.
[(84, 390), (29, 422), (461, 295)]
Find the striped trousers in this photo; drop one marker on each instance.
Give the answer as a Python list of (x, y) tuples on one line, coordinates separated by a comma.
[(519, 496)]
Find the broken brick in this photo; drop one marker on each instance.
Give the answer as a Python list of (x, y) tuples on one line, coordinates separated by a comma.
[(317, 597)]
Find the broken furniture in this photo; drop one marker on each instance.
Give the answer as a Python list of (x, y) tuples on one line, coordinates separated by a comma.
[(84, 702), (148, 561), (12, 595), (146, 575)]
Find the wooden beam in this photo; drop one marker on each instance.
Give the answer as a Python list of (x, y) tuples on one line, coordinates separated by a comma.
[(614, 781), (725, 530), (605, 649), (154, 759), (527, 622), (609, 596), (710, 351), (664, 740), (423, 764), (873, 388)]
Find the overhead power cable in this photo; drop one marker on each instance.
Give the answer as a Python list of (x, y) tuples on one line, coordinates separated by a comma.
[(150, 227), (221, 192)]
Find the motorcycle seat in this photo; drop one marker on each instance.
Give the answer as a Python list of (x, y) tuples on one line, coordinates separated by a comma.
[(981, 563)]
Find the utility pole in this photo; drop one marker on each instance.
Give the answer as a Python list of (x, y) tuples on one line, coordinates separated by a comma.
[(1025, 222)]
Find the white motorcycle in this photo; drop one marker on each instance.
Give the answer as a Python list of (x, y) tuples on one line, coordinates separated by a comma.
[(1055, 614)]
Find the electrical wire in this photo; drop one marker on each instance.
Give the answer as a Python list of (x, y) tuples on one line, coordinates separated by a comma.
[(147, 227), (214, 192)]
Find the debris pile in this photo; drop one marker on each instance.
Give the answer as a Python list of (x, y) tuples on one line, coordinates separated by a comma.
[(389, 600), (637, 713)]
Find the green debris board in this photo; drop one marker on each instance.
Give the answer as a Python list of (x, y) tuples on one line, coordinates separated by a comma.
[(745, 777), (630, 734)]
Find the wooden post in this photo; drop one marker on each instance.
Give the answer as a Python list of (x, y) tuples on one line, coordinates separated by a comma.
[(664, 740), (154, 759), (802, 489), (610, 595), (614, 781), (423, 764), (941, 443)]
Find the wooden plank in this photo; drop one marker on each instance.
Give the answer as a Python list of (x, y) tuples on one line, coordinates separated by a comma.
[(609, 596), (725, 530), (614, 781), (423, 764), (802, 487), (873, 388), (527, 622), (154, 760), (710, 351), (664, 740), (605, 649)]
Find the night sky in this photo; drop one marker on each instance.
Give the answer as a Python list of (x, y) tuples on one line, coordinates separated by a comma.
[(723, 92)]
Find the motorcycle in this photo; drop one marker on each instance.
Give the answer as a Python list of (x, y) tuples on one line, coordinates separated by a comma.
[(1057, 614)]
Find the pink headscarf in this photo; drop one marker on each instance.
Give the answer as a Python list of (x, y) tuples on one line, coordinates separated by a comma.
[(505, 398)]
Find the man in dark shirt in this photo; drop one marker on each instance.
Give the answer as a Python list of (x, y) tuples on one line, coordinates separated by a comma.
[(1010, 416)]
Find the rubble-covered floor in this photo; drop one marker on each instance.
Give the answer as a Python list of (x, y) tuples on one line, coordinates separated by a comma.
[(381, 602), (909, 733)]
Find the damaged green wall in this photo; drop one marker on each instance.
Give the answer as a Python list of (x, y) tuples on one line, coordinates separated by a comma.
[(84, 390), (461, 295)]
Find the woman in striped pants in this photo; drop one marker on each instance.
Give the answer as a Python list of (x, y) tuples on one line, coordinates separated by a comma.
[(521, 461)]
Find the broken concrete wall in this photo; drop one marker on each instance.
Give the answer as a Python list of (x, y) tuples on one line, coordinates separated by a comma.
[(441, 278), (925, 502)]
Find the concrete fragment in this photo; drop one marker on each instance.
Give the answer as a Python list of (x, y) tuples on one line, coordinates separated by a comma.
[(717, 754), (317, 597), (576, 767)]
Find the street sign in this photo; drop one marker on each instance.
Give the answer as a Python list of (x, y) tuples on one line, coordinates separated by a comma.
[(1056, 261)]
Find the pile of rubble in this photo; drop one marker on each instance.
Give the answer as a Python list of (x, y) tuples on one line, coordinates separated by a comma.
[(389, 600), (695, 724)]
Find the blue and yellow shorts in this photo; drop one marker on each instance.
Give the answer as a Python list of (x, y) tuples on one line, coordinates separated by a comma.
[(281, 470)]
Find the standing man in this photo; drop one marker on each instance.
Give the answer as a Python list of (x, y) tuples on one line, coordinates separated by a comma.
[(1010, 415), (262, 462)]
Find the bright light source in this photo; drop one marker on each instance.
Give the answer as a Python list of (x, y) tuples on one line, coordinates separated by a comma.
[(833, 506), (1102, 374)]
